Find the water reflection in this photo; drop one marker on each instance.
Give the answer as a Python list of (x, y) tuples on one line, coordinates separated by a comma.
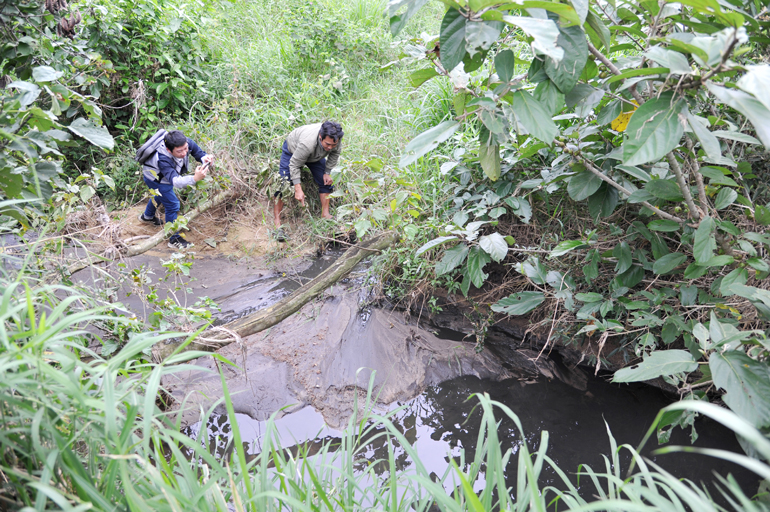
[(442, 421)]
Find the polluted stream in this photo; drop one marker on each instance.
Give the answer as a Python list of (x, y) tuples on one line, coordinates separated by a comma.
[(308, 371)]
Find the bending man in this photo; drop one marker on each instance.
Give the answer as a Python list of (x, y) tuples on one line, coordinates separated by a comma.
[(316, 146), (165, 171)]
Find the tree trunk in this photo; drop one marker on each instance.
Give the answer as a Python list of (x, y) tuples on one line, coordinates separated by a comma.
[(213, 339)]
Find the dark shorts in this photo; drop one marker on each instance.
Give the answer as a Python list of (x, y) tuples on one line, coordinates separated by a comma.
[(317, 169)]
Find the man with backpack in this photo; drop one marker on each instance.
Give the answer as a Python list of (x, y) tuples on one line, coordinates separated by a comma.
[(165, 158), (318, 147)]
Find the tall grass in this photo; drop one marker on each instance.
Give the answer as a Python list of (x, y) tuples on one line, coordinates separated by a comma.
[(79, 432)]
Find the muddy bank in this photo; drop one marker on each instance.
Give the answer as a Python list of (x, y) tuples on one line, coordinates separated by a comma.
[(324, 354)]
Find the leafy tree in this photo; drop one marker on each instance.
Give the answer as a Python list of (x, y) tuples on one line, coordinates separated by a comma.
[(651, 107)]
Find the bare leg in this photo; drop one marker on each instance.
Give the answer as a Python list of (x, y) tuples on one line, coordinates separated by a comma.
[(325, 206), (277, 208)]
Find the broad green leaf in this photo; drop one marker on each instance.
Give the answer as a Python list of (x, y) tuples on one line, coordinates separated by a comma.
[(567, 14), (664, 189), (659, 363), (654, 130), (635, 172), (46, 74), (97, 135), (362, 225), (533, 269), (398, 21), (694, 271), (452, 259), (737, 276), (489, 157), (717, 177), (428, 141), (566, 71), (452, 39), (584, 98), (704, 243), (494, 245), (609, 113), (736, 136), (758, 264), (589, 297), (752, 108), (688, 295), (583, 184), (549, 96), (475, 266), (622, 252), (708, 140), (480, 35), (434, 243), (717, 261), (757, 82), (505, 63), (746, 383), (674, 61), (603, 202), (533, 117), (762, 215), (421, 76), (725, 198), (668, 263), (519, 303), (581, 7), (598, 26), (567, 246), (631, 277), (631, 73), (521, 208), (29, 92), (666, 226), (544, 32)]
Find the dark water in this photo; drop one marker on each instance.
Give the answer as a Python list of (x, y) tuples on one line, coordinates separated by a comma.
[(441, 422)]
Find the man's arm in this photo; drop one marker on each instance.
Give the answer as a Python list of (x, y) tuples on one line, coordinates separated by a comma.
[(298, 159), (198, 153)]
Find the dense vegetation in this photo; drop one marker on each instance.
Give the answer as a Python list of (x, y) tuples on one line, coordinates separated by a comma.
[(610, 153)]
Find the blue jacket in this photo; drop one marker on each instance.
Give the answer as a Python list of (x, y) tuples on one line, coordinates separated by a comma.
[(162, 167)]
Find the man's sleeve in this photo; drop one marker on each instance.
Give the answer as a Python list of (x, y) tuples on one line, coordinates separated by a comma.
[(166, 168), (195, 150), (298, 159), (333, 158)]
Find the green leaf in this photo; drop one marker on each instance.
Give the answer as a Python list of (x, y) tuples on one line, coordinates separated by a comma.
[(631, 277), (46, 74), (480, 35), (666, 226), (565, 72), (421, 76), (30, 92), (704, 243), (717, 261), (549, 96), (758, 264), (603, 202), (608, 113), (762, 215), (747, 384), (657, 364), (638, 72), (533, 117), (725, 198), (566, 246), (519, 303), (674, 61), (434, 243), (664, 189), (452, 39), (736, 136), (694, 271), (752, 108), (635, 172), (717, 177), (583, 184), (566, 13), (602, 32), (623, 254), (505, 63), (668, 263), (737, 276), (589, 297), (398, 21), (688, 295), (521, 208), (428, 141), (475, 266), (708, 140), (452, 259), (494, 245), (97, 135), (544, 32), (654, 130), (489, 157), (757, 82)]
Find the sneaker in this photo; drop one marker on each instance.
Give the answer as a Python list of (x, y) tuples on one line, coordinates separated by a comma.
[(179, 243), (280, 235), (149, 220)]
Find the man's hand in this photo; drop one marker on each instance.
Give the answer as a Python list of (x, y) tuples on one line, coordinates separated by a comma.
[(328, 181), (208, 159), (201, 171), (299, 195)]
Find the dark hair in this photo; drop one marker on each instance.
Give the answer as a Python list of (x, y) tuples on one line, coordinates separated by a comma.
[(175, 139), (331, 129)]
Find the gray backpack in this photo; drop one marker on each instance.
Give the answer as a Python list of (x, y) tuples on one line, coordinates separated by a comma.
[(150, 148)]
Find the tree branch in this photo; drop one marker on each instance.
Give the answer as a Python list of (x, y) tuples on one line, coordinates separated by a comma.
[(683, 186), (698, 177), (604, 60)]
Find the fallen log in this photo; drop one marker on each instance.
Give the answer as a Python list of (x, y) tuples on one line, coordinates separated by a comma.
[(144, 246), (215, 338)]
